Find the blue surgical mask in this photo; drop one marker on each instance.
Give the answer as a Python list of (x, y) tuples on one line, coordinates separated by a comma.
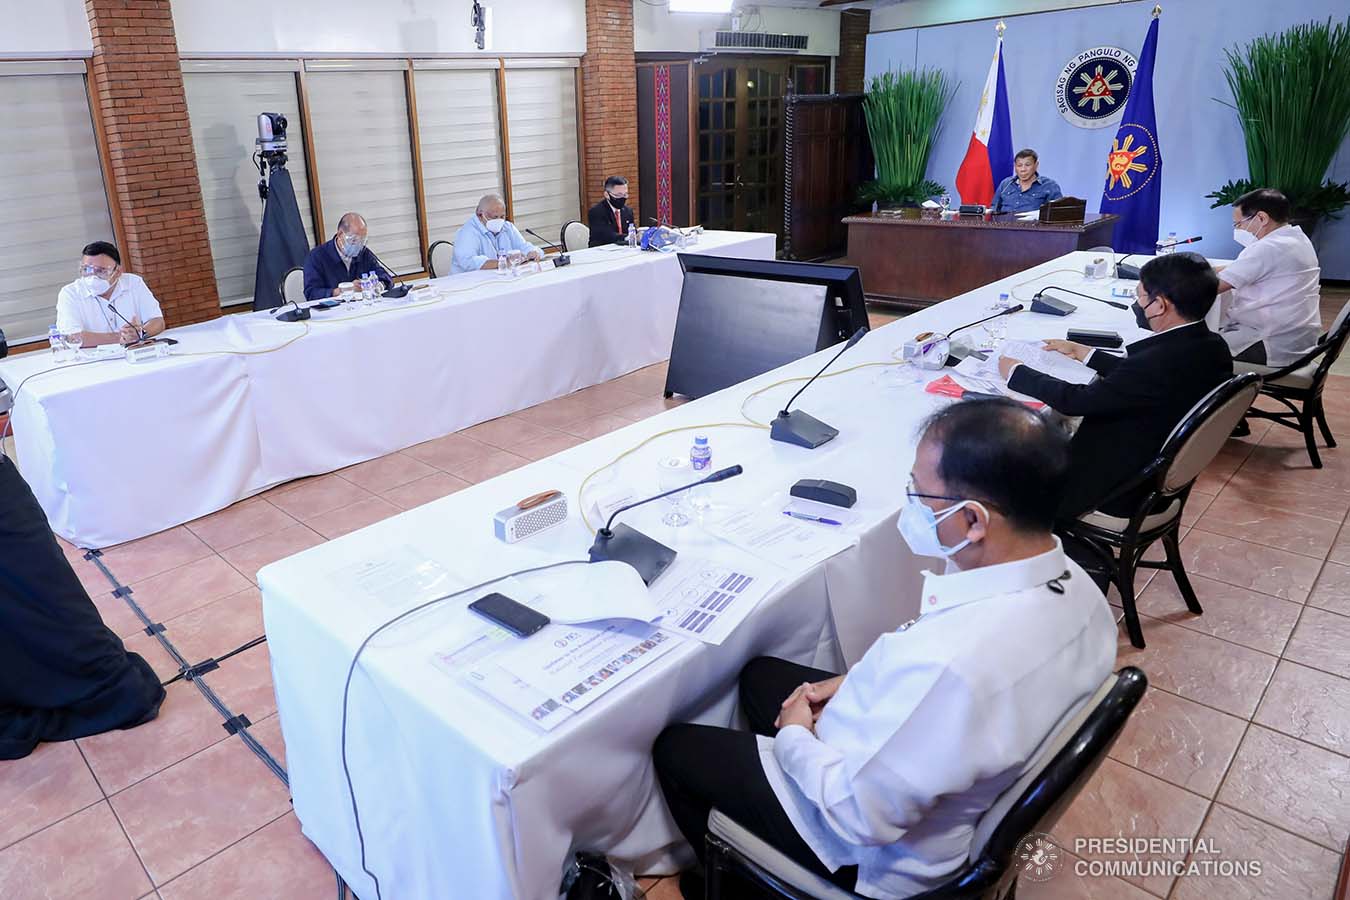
[(354, 246), (918, 525)]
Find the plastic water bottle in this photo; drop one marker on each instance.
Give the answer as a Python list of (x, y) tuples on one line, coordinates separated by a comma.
[(58, 344), (1171, 242), (632, 235), (700, 455), (502, 268)]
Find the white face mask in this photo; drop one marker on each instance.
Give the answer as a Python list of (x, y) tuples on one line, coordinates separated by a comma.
[(1243, 237), (495, 225), (95, 285), (918, 526)]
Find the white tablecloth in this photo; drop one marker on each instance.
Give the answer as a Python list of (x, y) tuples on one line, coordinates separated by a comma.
[(460, 797), (116, 451)]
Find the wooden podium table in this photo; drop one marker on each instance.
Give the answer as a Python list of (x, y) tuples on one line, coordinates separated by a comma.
[(920, 261)]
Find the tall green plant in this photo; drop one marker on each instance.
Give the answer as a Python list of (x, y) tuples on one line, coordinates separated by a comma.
[(1292, 95), (904, 117)]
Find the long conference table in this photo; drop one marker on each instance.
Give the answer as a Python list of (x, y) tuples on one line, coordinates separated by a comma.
[(460, 796), (116, 451)]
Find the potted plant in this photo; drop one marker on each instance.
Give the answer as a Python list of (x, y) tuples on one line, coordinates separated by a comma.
[(1292, 96), (904, 117)]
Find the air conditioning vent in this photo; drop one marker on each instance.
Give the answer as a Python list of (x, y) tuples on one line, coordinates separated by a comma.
[(754, 40)]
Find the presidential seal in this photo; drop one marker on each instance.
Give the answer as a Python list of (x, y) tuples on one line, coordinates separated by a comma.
[(1038, 857), (1091, 89)]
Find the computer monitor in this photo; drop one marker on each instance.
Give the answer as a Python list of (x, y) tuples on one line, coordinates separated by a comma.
[(739, 318)]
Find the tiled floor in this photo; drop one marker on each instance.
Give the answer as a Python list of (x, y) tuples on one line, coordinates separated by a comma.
[(1243, 738)]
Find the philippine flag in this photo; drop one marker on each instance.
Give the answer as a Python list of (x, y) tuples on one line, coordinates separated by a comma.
[(989, 158)]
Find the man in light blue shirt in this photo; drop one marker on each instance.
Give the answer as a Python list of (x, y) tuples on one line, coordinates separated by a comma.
[(1026, 189), (488, 235)]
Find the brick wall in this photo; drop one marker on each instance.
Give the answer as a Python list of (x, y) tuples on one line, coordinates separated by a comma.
[(138, 86), (609, 97), (848, 70)]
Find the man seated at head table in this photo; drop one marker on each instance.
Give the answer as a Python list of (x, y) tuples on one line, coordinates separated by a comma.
[(486, 236), (1131, 408), (1271, 294), (1026, 189), (107, 304), (875, 779), (610, 219), (344, 258)]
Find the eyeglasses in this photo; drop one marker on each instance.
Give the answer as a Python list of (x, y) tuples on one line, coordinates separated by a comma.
[(910, 492), (100, 271)]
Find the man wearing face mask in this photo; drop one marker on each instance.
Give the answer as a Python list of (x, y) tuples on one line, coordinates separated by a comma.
[(106, 304), (1131, 408), (486, 236), (345, 258), (876, 779), (1270, 313), (610, 219)]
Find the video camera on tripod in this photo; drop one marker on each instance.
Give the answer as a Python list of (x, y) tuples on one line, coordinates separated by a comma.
[(271, 143)]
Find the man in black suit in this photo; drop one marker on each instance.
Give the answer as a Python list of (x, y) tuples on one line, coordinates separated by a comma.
[(610, 219), (1129, 410)]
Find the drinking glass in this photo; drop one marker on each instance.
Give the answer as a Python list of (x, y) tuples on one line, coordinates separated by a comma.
[(674, 472), (74, 340)]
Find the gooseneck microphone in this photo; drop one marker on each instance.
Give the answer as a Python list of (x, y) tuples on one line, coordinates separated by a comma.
[(141, 337), (648, 556), (805, 430), (563, 259), (395, 290), (1055, 287)]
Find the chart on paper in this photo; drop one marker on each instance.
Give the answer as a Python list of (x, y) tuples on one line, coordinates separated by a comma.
[(705, 600)]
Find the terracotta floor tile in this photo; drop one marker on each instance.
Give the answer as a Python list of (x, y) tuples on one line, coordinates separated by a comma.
[(424, 490), (1123, 802), (1073, 883), (1232, 516), (188, 587), (446, 453), (353, 518), (1200, 668), (1235, 614), (507, 433), (1229, 458), (86, 855), (1288, 492), (668, 889), (244, 683), (648, 407), (243, 521), (547, 446), (217, 628), (1299, 787), (557, 413), (1340, 552), (1310, 705), (1285, 464), (49, 784), (152, 652), (179, 817), (1332, 590), (1279, 573), (644, 382), (116, 614), (275, 861), (1179, 741), (157, 553), (250, 557), (186, 724), (596, 426), (606, 397), (1322, 640), (318, 496), (1196, 504), (268, 733), (1290, 866), (386, 472), (490, 466)]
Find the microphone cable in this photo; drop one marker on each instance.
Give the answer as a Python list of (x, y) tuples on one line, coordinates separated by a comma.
[(347, 686)]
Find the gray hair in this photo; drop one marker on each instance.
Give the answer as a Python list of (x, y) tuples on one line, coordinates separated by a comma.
[(348, 222), (488, 200)]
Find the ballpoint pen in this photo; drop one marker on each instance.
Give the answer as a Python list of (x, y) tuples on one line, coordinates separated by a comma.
[(809, 518)]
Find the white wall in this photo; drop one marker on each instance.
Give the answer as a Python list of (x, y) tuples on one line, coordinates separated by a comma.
[(45, 29), (918, 13), (349, 28), (657, 30)]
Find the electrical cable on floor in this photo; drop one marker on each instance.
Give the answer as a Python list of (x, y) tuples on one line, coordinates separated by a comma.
[(214, 662)]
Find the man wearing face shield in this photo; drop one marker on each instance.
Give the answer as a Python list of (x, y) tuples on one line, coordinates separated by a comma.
[(345, 258), (1132, 406), (486, 236), (1271, 295), (610, 219), (875, 779), (106, 304)]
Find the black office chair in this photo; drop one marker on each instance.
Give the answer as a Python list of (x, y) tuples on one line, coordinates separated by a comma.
[(1120, 542), (1301, 382), (442, 252), (1033, 803)]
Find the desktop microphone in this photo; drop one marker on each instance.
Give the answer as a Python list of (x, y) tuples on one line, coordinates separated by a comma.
[(624, 544), (1055, 287), (395, 290), (799, 428), (141, 338), (955, 354), (562, 259)]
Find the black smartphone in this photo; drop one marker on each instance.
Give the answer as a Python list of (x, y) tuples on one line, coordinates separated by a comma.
[(515, 617)]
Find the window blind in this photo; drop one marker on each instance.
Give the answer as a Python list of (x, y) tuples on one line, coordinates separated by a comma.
[(541, 116), (363, 154), (460, 134), (55, 200), (223, 108)]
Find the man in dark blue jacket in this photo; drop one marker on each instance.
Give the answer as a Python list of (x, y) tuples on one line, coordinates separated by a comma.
[(344, 258)]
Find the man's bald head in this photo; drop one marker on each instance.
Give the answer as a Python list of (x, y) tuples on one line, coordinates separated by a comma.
[(352, 223), (491, 206)]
